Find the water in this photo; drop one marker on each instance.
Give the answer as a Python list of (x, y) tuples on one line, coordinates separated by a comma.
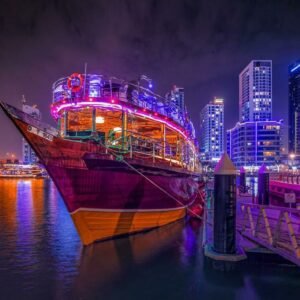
[(41, 257)]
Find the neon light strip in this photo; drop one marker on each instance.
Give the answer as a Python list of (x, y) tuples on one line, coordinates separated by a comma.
[(295, 68), (116, 106), (79, 104)]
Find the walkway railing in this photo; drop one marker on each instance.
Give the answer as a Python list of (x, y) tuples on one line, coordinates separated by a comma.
[(275, 228)]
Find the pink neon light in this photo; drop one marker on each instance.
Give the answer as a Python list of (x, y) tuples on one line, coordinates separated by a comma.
[(56, 110)]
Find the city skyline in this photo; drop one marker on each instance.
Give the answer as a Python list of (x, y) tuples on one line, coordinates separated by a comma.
[(20, 154), (204, 54)]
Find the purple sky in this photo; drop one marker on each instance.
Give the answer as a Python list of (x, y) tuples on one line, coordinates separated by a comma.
[(201, 45)]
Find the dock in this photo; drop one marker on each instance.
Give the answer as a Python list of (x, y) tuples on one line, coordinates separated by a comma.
[(266, 229)]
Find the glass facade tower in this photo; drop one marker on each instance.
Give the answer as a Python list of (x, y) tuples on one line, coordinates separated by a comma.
[(294, 108), (255, 143), (212, 130), (255, 91)]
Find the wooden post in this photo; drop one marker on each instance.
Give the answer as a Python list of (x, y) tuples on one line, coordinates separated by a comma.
[(130, 146), (59, 126), (66, 123), (94, 120), (124, 128), (163, 140)]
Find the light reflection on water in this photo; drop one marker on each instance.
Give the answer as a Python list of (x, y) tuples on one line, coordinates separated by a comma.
[(41, 257)]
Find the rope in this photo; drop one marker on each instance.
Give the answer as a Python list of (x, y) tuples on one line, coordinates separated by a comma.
[(151, 181)]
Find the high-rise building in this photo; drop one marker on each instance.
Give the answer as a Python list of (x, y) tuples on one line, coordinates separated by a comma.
[(212, 130), (294, 108), (29, 156), (255, 91), (176, 96), (256, 138), (255, 143)]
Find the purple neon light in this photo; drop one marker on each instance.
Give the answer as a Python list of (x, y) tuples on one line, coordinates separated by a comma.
[(55, 111)]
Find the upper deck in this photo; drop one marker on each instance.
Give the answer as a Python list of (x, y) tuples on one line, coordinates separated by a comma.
[(79, 90)]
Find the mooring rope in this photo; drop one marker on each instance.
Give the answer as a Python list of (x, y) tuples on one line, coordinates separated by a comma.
[(151, 181)]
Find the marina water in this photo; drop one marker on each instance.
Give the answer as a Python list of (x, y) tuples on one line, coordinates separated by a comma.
[(41, 257)]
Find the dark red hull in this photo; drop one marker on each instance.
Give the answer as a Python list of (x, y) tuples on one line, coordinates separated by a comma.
[(121, 189)]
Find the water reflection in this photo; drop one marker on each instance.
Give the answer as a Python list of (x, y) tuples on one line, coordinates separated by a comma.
[(39, 245), (41, 257)]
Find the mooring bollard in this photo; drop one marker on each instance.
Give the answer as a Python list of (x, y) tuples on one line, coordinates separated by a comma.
[(225, 207), (242, 180), (263, 185)]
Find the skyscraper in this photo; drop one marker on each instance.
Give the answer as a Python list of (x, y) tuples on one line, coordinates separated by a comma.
[(294, 108), (212, 130), (256, 138), (29, 156), (255, 91)]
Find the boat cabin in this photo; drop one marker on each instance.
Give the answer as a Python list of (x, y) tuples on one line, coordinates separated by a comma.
[(124, 116)]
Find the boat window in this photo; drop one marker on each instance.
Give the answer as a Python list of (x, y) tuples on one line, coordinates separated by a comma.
[(144, 127), (79, 122), (108, 124)]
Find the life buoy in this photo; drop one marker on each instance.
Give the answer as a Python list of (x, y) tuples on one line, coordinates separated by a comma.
[(75, 82)]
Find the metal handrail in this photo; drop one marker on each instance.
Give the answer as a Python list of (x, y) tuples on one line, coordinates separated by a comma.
[(275, 232)]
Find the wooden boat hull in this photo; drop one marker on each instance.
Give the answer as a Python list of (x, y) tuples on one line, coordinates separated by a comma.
[(106, 197)]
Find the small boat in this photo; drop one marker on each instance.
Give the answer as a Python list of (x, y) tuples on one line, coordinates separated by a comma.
[(21, 171)]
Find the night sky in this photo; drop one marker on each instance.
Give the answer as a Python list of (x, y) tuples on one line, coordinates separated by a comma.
[(200, 45)]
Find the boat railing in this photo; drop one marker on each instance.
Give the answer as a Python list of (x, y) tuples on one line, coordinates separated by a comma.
[(136, 146)]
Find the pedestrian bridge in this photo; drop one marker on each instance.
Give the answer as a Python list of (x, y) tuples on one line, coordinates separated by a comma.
[(275, 228)]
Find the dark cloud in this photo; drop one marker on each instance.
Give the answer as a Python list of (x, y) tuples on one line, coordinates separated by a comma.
[(201, 45)]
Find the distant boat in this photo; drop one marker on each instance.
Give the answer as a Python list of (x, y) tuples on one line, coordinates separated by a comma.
[(123, 158), (21, 171)]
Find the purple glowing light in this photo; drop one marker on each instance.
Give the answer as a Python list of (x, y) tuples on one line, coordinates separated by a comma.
[(57, 109)]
